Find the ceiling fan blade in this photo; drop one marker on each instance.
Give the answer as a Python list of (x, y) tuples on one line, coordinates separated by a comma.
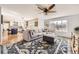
[(39, 7), (51, 11), (52, 6)]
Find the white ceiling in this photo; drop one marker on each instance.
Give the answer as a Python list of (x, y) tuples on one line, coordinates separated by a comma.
[(31, 9), (23, 9)]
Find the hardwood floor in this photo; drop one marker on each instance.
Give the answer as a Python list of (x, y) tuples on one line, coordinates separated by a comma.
[(7, 39)]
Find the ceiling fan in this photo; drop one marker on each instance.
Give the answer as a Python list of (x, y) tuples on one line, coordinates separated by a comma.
[(46, 10)]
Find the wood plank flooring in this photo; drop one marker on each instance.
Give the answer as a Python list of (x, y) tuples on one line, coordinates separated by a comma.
[(11, 38)]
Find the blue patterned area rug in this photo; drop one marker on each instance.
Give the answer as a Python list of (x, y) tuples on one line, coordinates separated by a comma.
[(37, 47)]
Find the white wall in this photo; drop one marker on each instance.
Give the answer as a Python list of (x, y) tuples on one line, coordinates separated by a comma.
[(73, 22)]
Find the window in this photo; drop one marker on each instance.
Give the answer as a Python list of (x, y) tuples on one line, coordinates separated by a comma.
[(60, 25)]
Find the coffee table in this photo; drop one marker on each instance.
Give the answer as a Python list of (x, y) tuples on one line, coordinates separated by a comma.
[(49, 38)]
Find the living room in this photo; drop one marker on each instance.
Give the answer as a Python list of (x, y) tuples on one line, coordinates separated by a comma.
[(50, 32)]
